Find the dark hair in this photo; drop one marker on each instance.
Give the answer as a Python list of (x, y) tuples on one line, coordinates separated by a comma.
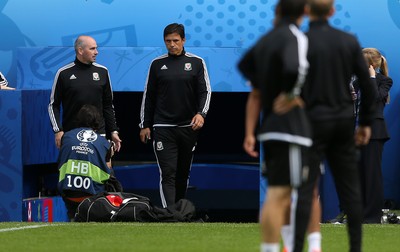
[(320, 8), (89, 116), (175, 28), (292, 9)]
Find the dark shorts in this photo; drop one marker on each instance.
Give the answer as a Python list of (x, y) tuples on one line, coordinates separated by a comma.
[(285, 163)]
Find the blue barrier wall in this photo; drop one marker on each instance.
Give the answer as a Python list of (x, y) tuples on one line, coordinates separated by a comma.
[(25, 139), (211, 186), (37, 38), (10, 156)]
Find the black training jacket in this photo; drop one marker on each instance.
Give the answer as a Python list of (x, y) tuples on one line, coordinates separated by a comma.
[(278, 63), (3, 80), (326, 91), (75, 85), (177, 88)]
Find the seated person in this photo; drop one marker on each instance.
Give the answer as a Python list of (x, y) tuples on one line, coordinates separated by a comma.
[(4, 83), (84, 160)]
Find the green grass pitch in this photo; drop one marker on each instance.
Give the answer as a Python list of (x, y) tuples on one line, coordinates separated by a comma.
[(219, 237)]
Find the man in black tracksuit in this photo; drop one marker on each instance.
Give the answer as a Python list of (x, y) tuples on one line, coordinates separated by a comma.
[(175, 103), (276, 67), (78, 83), (335, 56)]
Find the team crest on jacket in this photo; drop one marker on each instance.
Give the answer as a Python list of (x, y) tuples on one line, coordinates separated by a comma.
[(96, 76), (86, 136), (160, 146), (188, 66)]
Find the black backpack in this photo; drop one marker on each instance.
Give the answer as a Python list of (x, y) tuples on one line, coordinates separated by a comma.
[(130, 207)]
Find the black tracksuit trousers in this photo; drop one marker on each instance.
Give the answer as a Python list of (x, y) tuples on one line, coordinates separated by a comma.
[(334, 140), (174, 148)]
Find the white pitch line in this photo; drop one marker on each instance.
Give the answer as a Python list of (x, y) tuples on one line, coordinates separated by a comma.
[(22, 228)]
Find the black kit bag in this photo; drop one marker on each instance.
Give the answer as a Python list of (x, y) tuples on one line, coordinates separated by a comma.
[(134, 208), (102, 206), (130, 207), (139, 211), (182, 211)]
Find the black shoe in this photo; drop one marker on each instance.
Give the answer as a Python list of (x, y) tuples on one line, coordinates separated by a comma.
[(341, 218)]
